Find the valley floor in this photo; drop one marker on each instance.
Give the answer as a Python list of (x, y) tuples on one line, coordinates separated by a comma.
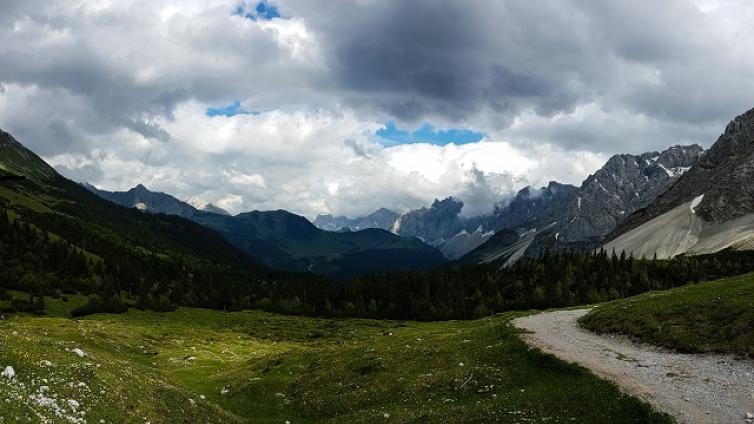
[(694, 388), (202, 366)]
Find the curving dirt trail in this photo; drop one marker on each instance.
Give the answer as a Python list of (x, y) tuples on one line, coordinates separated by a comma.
[(692, 388)]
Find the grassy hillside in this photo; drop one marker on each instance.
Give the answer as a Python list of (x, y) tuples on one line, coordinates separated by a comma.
[(157, 260), (172, 367), (63, 207), (716, 316)]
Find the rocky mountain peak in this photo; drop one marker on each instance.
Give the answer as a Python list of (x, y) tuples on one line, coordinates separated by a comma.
[(382, 218), (440, 221), (524, 192), (209, 207), (680, 156), (724, 174), (531, 206), (447, 206), (140, 189), (625, 184), (201, 205)]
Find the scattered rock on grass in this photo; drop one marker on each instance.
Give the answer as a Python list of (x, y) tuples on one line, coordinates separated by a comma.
[(9, 373), (73, 404)]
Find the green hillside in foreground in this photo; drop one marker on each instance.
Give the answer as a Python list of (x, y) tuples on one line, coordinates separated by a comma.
[(716, 316), (172, 367)]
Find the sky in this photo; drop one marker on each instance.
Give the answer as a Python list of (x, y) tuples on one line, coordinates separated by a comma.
[(345, 106)]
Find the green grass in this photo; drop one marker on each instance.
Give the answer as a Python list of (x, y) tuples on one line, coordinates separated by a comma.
[(716, 316), (145, 366), (53, 307), (34, 202)]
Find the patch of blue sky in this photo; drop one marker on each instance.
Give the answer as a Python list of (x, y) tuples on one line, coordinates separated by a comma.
[(391, 135), (263, 10), (229, 110)]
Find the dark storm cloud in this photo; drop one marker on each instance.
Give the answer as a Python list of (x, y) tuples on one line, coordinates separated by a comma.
[(454, 60)]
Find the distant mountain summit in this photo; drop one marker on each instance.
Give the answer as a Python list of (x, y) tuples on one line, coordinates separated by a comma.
[(709, 208), (206, 207), (440, 221), (141, 198), (532, 207), (381, 218)]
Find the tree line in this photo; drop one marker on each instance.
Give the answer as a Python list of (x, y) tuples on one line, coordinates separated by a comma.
[(41, 264), (551, 280)]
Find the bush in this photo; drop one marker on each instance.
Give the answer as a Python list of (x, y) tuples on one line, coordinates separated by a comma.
[(7, 309), (30, 306), (96, 305), (159, 303)]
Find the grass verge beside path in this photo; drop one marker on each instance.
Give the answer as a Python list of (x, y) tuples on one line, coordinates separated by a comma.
[(715, 316)]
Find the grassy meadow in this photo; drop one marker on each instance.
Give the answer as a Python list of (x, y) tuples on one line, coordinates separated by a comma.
[(197, 365)]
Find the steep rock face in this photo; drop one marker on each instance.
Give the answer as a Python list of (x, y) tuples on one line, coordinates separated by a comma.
[(441, 221), (625, 184), (532, 207), (724, 175)]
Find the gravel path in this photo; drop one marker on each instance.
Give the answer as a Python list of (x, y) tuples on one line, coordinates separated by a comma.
[(692, 388)]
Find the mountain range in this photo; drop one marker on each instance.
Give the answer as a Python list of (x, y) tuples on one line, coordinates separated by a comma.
[(285, 241), (558, 216)]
